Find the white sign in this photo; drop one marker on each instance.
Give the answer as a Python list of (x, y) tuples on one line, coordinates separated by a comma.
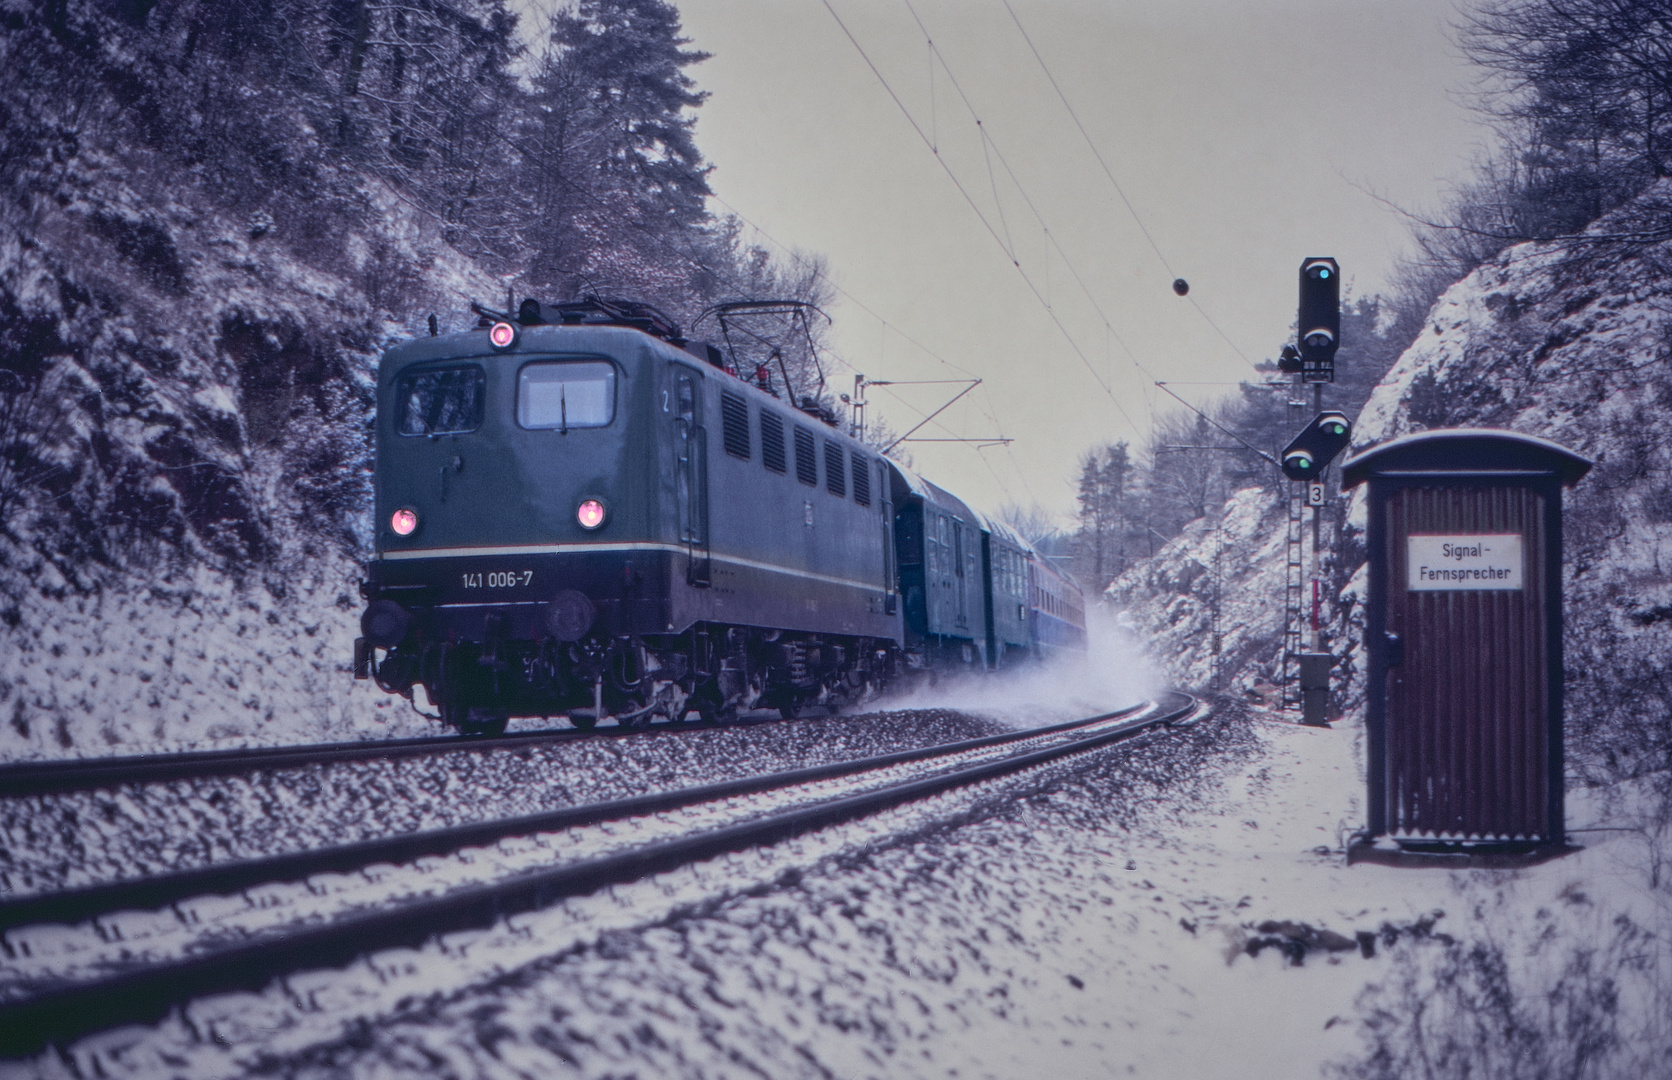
[(1457, 562), (1314, 494)]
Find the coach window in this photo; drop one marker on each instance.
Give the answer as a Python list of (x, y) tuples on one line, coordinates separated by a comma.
[(440, 401), (566, 394)]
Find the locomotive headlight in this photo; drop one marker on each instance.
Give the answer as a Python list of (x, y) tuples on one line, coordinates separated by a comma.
[(404, 521), (590, 514), (503, 335)]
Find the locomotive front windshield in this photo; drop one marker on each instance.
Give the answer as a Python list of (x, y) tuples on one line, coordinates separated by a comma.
[(566, 394), (440, 401)]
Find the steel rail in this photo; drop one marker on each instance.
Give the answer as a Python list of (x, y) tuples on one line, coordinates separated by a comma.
[(147, 893), (83, 774), (147, 994)]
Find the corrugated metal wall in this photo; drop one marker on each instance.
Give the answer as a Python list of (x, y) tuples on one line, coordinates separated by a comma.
[(1467, 731)]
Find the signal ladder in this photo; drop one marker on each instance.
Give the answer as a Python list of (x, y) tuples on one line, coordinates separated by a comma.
[(1294, 583)]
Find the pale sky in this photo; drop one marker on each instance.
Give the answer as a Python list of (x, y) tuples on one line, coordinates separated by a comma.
[(1246, 135)]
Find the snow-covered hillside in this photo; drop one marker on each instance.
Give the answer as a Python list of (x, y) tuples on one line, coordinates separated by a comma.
[(186, 388), (1566, 340), (1572, 341), (1230, 565)]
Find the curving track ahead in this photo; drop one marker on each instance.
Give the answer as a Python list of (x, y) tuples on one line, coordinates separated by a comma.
[(49, 1006)]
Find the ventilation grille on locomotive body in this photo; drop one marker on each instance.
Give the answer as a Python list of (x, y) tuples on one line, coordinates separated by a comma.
[(734, 423), (861, 481), (835, 479), (772, 442), (806, 457)]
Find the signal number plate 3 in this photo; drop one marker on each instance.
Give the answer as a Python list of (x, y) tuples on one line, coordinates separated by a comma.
[(499, 579)]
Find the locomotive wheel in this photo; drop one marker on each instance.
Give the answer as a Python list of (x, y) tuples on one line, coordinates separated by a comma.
[(710, 707), (461, 710), (484, 722), (629, 711), (583, 720)]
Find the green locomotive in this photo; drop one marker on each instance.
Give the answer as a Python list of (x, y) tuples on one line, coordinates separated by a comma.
[(580, 513)]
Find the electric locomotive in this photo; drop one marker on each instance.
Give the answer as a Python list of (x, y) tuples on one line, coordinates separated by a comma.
[(581, 513)]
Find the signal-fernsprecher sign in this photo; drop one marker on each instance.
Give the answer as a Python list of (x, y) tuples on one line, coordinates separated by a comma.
[(1463, 562)]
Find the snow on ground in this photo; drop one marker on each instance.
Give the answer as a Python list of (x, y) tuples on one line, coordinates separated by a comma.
[(191, 661), (64, 840), (44, 956), (1099, 924)]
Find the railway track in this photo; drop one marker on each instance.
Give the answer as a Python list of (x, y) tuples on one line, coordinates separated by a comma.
[(85, 774), (90, 958)]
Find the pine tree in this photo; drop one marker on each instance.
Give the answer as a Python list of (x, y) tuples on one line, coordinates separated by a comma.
[(616, 180), (1105, 480)]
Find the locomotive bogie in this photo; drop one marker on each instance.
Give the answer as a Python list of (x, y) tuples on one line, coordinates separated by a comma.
[(715, 671)]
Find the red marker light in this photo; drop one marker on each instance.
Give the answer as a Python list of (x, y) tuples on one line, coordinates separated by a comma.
[(403, 521), (590, 514), (503, 335)]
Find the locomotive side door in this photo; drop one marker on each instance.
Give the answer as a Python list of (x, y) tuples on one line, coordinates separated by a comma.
[(890, 571), (691, 463), (959, 580)]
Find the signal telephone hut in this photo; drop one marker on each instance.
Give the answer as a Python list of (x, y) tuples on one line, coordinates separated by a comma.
[(1464, 635)]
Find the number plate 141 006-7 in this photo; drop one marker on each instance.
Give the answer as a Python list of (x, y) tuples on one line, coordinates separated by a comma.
[(498, 579)]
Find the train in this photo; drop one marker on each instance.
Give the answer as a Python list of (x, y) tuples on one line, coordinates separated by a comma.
[(579, 512)]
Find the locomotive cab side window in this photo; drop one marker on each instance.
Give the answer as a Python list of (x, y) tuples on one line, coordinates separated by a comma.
[(566, 394), (440, 401)]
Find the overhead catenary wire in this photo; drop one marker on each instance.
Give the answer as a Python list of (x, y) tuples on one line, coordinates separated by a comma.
[(1050, 237), (1051, 241), (982, 217), (733, 282), (986, 409), (1132, 210)]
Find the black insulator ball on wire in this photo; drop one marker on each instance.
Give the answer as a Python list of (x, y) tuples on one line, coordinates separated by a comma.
[(1181, 286)]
